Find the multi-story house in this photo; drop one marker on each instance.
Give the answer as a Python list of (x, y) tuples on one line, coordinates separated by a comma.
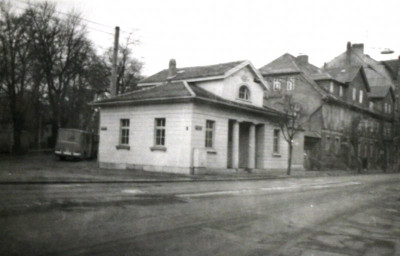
[(331, 99)]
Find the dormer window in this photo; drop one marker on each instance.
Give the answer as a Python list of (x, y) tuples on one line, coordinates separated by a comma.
[(361, 96), (244, 93), (340, 91), (276, 85)]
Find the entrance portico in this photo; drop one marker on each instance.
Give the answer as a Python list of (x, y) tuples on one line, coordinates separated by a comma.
[(242, 144)]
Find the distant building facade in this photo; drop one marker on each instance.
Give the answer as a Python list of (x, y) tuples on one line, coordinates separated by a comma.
[(332, 97)]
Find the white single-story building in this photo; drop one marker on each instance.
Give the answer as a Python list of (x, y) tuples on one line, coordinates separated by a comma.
[(193, 120)]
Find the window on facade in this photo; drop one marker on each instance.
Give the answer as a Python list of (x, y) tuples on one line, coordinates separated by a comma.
[(337, 145), (327, 144), (124, 132), (209, 133), (276, 85), (290, 84), (244, 92), (389, 108), (159, 131), (354, 97), (371, 105), (340, 91), (331, 87), (386, 107), (361, 97), (276, 141)]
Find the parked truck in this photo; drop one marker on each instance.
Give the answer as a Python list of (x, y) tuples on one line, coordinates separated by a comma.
[(76, 144)]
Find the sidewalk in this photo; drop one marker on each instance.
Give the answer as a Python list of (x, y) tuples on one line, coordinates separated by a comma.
[(45, 168)]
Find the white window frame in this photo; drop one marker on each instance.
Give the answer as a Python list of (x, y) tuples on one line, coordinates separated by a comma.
[(340, 91), (209, 133), (124, 131), (276, 85), (354, 97), (360, 99), (331, 87), (371, 105), (276, 139), (159, 131), (386, 107), (290, 84), (244, 92)]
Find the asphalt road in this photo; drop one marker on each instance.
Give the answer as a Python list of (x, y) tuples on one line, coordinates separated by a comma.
[(352, 215)]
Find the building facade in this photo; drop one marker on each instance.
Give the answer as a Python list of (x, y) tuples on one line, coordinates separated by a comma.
[(348, 108), (195, 120)]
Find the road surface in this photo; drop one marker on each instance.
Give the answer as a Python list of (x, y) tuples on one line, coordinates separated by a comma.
[(332, 216)]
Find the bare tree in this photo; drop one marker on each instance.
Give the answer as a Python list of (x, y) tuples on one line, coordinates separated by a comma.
[(291, 125), (15, 63), (128, 67), (61, 49)]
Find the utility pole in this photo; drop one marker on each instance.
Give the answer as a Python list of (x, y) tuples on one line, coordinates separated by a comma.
[(113, 85)]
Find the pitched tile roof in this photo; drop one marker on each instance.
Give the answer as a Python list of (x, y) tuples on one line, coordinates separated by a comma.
[(393, 67), (379, 91), (344, 74), (287, 63), (172, 90), (178, 90), (192, 72)]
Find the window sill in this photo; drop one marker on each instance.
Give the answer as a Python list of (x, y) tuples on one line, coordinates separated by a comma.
[(158, 148), (276, 154), (123, 147), (243, 100), (211, 151)]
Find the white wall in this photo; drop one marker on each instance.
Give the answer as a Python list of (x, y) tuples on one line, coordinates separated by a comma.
[(141, 137), (229, 87), (201, 113)]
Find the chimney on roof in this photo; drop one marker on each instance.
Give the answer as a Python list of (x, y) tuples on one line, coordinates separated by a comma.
[(302, 59), (171, 69), (358, 49)]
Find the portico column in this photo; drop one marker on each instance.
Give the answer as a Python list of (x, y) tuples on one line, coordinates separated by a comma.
[(252, 147), (235, 145)]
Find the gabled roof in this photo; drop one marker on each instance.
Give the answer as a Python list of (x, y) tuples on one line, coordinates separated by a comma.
[(192, 72), (287, 63), (202, 73), (284, 64), (344, 74), (379, 92), (177, 91)]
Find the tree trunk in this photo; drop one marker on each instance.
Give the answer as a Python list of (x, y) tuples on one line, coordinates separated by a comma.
[(290, 158)]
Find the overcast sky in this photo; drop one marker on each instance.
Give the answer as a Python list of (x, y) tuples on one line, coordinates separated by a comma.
[(207, 32)]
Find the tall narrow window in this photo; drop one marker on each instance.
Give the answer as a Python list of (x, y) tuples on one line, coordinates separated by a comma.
[(354, 94), (276, 85), (389, 108), (290, 84), (331, 87), (210, 133), (337, 145), (328, 144), (340, 91), (124, 132), (159, 132), (361, 96), (386, 107), (276, 141), (244, 92), (371, 105)]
